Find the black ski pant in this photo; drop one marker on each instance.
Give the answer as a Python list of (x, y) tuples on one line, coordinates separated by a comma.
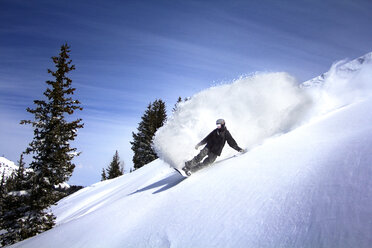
[(207, 161)]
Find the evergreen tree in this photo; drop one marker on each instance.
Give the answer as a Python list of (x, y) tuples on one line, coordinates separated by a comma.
[(103, 175), (153, 118), (2, 184), (10, 182), (52, 132), (52, 154), (2, 195), (114, 169), (15, 203), (16, 179), (20, 177), (175, 108)]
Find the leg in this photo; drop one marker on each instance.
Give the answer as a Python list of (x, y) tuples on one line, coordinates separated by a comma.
[(192, 163), (209, 160)]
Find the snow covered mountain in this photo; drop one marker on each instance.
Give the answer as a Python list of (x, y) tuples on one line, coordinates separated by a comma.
[(306, 181), (7, 167)]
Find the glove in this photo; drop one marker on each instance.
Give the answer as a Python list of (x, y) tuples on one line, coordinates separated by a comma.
[(196, 147), (242, 151)]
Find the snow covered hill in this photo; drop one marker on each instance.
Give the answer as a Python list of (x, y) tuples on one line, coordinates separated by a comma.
[(307, 185), (7, 167)]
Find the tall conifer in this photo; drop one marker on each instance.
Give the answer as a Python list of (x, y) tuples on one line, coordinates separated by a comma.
[(153, 118), (115, 169), (175, 108), (50, 147), (103, 175), (21, 172)]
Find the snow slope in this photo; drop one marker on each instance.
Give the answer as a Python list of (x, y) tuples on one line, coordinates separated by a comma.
[(308, 187)]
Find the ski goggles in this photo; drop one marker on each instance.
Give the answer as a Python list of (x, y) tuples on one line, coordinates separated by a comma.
[(219, 125)]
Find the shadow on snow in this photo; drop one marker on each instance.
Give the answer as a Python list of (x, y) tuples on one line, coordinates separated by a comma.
[(167, 183)]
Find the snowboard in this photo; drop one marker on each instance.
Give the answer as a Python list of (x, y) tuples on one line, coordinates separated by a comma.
[(181, 172), (197, 168), (231, 157)]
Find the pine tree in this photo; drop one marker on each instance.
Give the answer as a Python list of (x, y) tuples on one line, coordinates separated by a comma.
[(52, 132), (20, 172), (2, 184), (103, 175), (15, 203), (153, 118), (2, 196), (175, 108), (10, 181), (52, 154), (114, 169), (15, 180)]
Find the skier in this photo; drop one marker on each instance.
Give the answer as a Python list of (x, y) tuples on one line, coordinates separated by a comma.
[(215, 142)]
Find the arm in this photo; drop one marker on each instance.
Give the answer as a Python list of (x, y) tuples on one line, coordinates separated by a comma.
[(204, 141), (230, 140)]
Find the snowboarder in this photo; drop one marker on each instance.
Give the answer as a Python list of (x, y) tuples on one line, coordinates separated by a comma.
[(215, 142)]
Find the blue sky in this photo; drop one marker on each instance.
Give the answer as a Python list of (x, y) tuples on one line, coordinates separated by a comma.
[(129, 53)]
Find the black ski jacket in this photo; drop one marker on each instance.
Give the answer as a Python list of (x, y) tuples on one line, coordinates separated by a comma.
[(216, 141)]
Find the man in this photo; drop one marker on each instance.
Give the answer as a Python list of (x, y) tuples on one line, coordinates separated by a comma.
[(215, 142)]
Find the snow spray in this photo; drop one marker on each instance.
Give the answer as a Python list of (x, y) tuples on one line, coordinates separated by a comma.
[(254, 108), (261, 106)]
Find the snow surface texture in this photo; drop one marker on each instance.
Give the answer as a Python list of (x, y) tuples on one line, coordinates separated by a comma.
[(310, 187)]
